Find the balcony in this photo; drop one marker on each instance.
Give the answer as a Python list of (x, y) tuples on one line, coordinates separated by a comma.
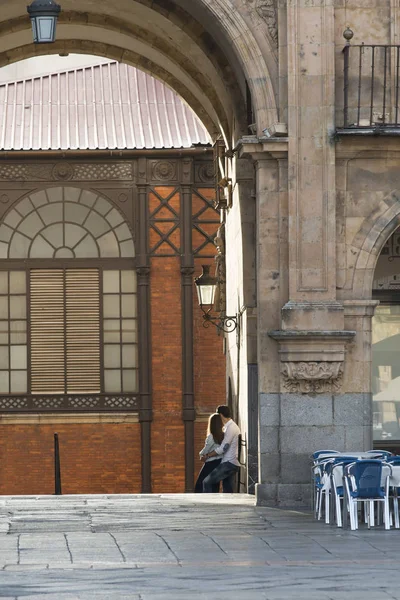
[(371, 90)]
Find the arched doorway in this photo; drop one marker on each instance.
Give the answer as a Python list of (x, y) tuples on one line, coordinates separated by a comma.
[(386, 345), (197, 50), (225, 70)]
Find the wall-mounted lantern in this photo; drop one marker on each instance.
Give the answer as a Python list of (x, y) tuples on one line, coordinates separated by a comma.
[(44, 15), (206, 286)]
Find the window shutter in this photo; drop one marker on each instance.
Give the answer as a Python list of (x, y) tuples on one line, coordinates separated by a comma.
[(47, 331), (83, 330), (65, 331)]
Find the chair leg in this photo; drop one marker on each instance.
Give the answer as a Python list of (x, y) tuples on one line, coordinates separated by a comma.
[(320, 505), (367, 508), (316, 503), (338, 511), (352, 513), (387, 515), (396, 511), (327, 499)]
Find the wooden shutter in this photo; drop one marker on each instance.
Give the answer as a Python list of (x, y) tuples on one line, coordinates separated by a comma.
[(65, 331), (47, 331), (83, 330)]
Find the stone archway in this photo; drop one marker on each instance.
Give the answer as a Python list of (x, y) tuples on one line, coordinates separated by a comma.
[(369, 241), (208, 51), (203, 54)]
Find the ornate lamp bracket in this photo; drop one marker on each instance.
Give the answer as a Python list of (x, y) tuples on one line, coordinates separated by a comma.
[(312, 361), (222, 322)]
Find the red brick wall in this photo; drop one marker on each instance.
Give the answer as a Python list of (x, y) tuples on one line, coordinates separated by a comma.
[(209, 361), (95, 458), (168, 443)]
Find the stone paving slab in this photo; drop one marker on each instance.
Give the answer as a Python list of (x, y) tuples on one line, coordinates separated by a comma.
[(174, 547)]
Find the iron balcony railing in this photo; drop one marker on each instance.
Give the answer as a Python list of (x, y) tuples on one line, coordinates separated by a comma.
[(371, 86)]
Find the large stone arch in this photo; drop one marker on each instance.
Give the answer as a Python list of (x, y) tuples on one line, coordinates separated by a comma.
[(369, 241), (207, 55)]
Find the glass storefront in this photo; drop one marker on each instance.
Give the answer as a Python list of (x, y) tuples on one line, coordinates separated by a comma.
[(386, 372)]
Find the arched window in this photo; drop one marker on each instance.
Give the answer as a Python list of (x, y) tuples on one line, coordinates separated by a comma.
[(68, 317)]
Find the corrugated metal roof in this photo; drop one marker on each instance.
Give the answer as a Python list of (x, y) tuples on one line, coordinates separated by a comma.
[(109, 106)]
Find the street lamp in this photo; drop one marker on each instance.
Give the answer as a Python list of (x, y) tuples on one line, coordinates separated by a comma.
[(44, 15), (206, 286)]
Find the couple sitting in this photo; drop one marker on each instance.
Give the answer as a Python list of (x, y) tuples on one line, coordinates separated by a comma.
[(220, 454)]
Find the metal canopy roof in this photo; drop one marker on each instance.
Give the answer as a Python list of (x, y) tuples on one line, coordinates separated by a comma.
[(108, 106)]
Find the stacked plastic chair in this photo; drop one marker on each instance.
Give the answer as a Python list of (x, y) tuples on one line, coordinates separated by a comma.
[(328, 472), (394, 488), (363, 482), (320, 459)]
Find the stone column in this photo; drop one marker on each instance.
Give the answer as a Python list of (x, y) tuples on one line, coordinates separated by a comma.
[(301, 362), (311, 94), (355, 410), (312, 338), (272, 271), (272, 293)]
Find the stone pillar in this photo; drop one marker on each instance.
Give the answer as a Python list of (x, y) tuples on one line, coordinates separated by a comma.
[(272, 219), (302, 334), (355, 410), (272, 293), (311, 95)]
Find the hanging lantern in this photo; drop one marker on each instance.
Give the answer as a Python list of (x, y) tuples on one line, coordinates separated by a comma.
[(206, 285), (44, 15)]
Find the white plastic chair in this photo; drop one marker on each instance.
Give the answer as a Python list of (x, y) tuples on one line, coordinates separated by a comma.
[(367, 482)]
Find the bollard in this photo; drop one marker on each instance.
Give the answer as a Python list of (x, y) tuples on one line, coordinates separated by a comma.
[(57, 467)]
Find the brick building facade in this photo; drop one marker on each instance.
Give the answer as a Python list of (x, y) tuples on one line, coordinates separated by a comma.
[(117, 362)]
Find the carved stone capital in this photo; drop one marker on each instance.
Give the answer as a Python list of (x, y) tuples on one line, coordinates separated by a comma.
[(312, 377), (312, 362)]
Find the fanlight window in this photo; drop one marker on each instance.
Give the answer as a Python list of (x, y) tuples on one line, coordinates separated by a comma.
[(65, 222), (69, 328)]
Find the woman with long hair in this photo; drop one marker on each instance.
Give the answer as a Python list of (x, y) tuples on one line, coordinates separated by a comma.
[(214, 438)]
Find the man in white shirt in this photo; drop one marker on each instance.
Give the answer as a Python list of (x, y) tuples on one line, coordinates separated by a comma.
[(229, 465)]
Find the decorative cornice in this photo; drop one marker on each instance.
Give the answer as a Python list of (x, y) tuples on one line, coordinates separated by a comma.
[(262, 148), (360, 308), (66, 171), (294, 334)]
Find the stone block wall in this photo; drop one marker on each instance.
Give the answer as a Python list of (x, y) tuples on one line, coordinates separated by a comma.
[(295, 426)]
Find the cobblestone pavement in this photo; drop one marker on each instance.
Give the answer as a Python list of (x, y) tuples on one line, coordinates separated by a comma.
[(186, 547)]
